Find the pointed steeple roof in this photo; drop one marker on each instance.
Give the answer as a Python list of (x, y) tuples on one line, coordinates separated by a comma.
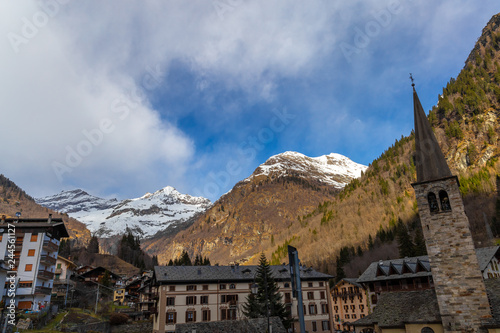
[(429, 159)]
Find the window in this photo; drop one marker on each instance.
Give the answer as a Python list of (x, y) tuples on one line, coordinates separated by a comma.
[(313, 309), (229, 299), (58, 277), (228, 314), (287, 285), (170, 301), (314, 326), (171, 288), (336, 308), (205, 315), (190, 300), (205, 287), (31, 253), (222, 286), (34, 237), (58, 266), (346, 316), (321, 284), (190, 316), (288, 298), (427, 330), (445, 201), (310, 295), (171, 317), (203, 299), (433, 205), (324, 308), (191, 287), (232, 286), (28, 268), (325, 325), (25, 284), (361, 307), (374, 299), (322, 295), (310, 284)]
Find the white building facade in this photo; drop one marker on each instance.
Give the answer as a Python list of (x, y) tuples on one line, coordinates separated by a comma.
[(29, 248), (214, 293)]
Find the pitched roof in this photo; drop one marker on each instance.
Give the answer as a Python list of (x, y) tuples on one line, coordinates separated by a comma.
[(182, 274), (394, 309), (352, 281), (430, 161), (401, 269), (416, 266), (485, 254)]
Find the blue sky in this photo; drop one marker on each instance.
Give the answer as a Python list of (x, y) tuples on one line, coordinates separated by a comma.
[(121, 98)]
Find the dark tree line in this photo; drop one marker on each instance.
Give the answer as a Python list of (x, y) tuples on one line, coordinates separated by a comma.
[(184, 260), (129, 250)]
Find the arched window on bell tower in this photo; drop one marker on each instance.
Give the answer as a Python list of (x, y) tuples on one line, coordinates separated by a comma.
[(445, 201), (433, 204)]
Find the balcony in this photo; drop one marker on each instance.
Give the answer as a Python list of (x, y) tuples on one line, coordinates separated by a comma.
[(58, 271), (64, 282), (47, 260), (49, 246), (43, 290), (45, 274)]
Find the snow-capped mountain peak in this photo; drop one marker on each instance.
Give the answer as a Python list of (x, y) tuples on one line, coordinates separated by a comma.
[(333, 169), (145, 215)]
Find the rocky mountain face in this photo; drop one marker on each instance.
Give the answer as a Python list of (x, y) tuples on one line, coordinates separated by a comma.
[(144, 216), (243, 221), (75, 201), (13, 199)]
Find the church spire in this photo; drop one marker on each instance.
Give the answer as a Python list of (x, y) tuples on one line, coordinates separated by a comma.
[(429, 159)]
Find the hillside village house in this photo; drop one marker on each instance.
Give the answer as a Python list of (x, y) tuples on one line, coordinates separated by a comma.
[(62, 279), (349, 302), (189, 294), (35, 255)]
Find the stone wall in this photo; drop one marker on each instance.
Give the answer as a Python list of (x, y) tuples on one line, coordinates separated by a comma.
[(141, 327), (459, 285)]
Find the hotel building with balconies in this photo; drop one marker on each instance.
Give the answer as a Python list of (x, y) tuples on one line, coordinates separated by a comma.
[(32, 260)]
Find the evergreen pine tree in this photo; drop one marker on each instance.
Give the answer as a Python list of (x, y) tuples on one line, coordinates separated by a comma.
[(419, 241), (170, 263), (405, 244), (267, 297), (93, 246), (370, 242)]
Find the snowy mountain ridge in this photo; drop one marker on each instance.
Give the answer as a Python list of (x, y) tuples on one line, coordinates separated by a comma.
[(144, 216), (333, 169)]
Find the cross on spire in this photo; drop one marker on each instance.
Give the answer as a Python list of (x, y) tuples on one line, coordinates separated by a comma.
[(411, 78)]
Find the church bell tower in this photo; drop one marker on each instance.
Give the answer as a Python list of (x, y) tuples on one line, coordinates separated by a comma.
[(460, 289)]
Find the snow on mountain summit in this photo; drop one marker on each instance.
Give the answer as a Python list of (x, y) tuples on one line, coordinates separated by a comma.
[(145, 215), (333, 169)]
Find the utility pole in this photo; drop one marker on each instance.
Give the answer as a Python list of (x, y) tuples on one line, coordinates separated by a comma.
[(96, 298), (293, 260)]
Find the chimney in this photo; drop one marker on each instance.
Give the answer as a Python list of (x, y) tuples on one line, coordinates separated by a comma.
[(199, 271), (50, 218)]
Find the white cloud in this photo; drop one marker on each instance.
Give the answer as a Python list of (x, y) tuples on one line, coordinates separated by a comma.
[(89, 66)]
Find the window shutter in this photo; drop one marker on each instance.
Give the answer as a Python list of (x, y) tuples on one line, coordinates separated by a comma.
[(194, 316), (186, 317), (175, 317), (194, 300), (209, 316)]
